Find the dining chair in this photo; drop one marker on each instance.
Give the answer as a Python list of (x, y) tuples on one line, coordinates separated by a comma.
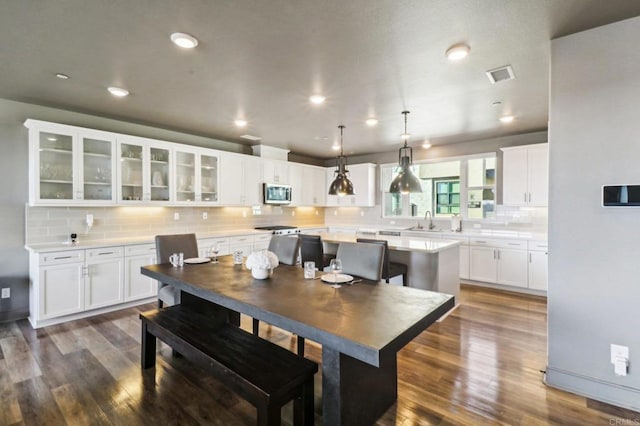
[(166, 245), (389, 269), (363, 260), (286, 248), (311, 251)]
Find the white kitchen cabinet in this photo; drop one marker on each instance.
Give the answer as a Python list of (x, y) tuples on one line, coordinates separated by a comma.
[(58, 288), (205, 246), (538, 265), (297, 184), (70, 165), (314, 188), (136, 285), (144, 171), (242, 244), (498, 261), (196, 175), (241, 180), (261, 241), (363, 178), (276, 171), (525, 175), (104, 277)]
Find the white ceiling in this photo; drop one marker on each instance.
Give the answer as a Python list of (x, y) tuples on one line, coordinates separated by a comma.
[(260, 60)]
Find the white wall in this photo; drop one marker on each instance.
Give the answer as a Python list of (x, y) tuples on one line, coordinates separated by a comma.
[(594, 257)]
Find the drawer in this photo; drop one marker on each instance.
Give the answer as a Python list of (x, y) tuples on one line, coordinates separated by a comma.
[(538, 245), (243, 239), (140, 249), (208, 242), (263, 237), (104, 253), (60, 257), (507, 244)]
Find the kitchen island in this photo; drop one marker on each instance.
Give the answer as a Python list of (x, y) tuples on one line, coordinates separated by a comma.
[(433, 264)]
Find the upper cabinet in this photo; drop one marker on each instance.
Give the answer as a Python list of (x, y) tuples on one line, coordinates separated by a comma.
[(241, 180), (196, 174), (307, 185), (276, 171), (363, 178), (70, 165), (525, 175), (144, 170)]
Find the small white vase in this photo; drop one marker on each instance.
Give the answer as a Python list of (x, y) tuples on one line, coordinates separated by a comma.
[(260, 273)]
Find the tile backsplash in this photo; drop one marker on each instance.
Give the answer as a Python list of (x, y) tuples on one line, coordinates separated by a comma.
[(55, 224)]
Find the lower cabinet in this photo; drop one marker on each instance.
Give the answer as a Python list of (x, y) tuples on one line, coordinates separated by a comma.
[(60, 285), (136, 285), (538, 261), (499, 261), (104, 277)]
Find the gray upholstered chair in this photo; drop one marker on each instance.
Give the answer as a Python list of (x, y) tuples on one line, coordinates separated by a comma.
[(363, 260), (166, 245), (286, 248), (389, 269)]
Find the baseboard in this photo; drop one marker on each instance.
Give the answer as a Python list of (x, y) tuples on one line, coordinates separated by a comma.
[(590, 387), (502, 287), (14, 315)]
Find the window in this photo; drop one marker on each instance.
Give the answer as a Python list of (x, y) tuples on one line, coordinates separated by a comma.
[(464, 186)]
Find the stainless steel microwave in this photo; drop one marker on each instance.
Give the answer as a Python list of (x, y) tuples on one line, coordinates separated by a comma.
[(275, 193)]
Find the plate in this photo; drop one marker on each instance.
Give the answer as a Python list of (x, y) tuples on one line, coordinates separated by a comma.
[(196, 260), (340, 278)]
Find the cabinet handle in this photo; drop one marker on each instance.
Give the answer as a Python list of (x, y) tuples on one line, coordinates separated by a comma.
[(529, 197), (62, 257), (514, 244), (481, 242), (498, 251), (105, 252), (494, 254), (525, 197), (530, 260)]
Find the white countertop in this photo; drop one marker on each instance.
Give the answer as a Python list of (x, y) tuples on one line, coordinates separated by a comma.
[(91, 244), (397, 243)]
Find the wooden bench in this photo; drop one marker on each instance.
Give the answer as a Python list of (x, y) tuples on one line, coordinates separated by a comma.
[(261, 372)]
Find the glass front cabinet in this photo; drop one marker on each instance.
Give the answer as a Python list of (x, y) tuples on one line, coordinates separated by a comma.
[(70, 165), (144, 170), (196, 177)]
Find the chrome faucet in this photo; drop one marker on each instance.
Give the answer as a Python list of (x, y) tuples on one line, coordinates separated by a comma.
[(431, 225)]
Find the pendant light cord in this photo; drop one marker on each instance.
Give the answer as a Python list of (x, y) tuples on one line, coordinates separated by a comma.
[(406, 135)]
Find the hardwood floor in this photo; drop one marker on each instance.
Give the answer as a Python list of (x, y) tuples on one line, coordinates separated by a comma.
[(480, 365)]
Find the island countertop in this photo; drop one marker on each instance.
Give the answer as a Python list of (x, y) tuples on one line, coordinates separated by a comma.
[(395, 243)]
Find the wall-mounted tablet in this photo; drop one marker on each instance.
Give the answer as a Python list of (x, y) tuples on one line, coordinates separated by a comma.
[(621, 195)]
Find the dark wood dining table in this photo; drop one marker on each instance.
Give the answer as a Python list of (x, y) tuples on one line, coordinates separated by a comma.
[(361, 327)]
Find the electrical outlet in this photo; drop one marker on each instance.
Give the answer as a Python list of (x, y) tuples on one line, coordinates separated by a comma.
[(361, 214), (293, 213), (620, 359), (6, 293), (89, 220), (176, 216), (205, 216)]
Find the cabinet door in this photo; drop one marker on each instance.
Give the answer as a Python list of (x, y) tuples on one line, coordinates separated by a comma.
[(97, 163), (538, 175), (275, 171), (297, 186), (483, 264), (512, 267), (131, 172), (61, 290), (538, 270), (185, 177), (138, 286), (464, 262), (159, 174), (252, 181), (104, 283), (319, 187), (209, 177), (514, 177), (363, 179), (231, 180), (53, 166)]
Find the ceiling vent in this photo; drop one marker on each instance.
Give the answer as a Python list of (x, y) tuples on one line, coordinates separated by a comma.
[(251, 137), (501, 74)]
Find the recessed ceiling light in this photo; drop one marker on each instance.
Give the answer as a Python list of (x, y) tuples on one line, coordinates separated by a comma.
[(317, 99), (426, 145), (184, 40), (458, 52), (117, 91), (240, 123), (507, 118), (62, 76), (371, 121)]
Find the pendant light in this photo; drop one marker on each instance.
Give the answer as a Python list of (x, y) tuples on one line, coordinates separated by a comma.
[(405, 181), (341, 185)]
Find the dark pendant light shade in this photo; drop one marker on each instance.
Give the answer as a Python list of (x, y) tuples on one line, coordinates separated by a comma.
[(405, 181), (341, 185)]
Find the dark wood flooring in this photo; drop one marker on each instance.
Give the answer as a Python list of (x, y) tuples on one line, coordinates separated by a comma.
[(480, 365)]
